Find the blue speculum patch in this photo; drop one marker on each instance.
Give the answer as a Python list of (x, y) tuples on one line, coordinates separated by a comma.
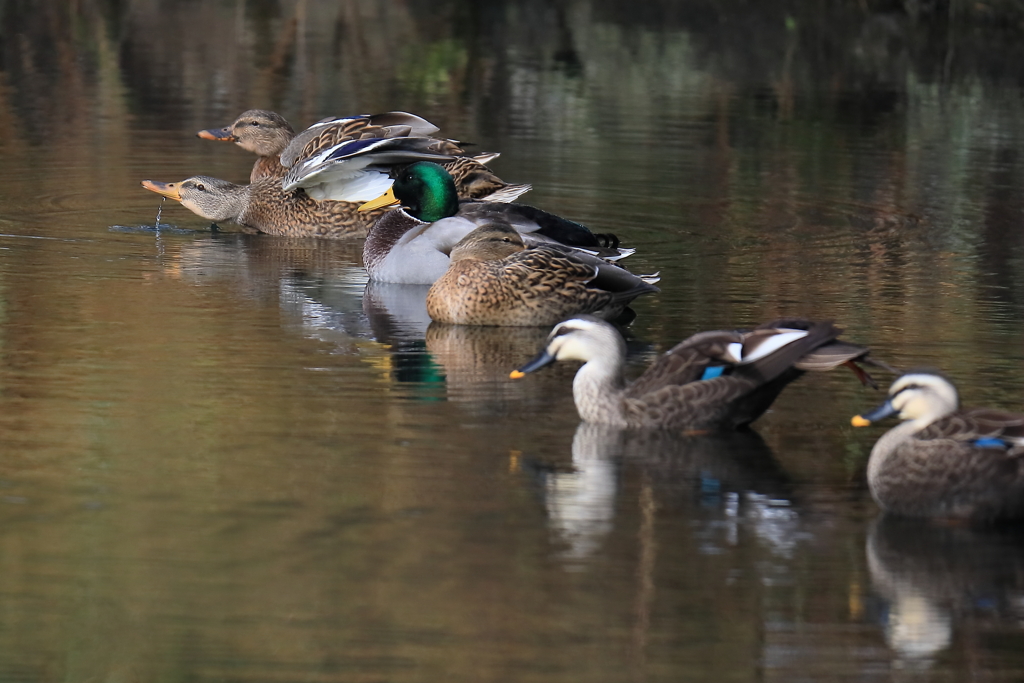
[(713, 372)]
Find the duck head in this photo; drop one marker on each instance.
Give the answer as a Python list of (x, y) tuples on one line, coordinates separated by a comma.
[(259, 131), (211, 198), (583, 338), (923, 396), (489, 242), (425, 190)]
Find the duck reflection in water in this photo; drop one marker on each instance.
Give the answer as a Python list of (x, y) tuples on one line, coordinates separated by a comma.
[(940, 579), (397, 313), (473, 359), (727, 480)]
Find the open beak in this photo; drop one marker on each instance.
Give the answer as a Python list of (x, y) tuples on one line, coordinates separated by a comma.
[(386, 199), (542, 359), (881, 412), (169, 190), (223, 134)]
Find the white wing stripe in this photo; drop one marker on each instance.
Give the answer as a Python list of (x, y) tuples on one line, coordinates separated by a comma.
[(773, 344)]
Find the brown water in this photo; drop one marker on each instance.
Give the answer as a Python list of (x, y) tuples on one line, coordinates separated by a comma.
[(225, 458)]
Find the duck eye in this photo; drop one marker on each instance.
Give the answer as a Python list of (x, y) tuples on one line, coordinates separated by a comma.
[(255, 123), (201, 187)]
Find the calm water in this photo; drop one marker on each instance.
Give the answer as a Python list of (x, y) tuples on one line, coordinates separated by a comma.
[(226, 458)]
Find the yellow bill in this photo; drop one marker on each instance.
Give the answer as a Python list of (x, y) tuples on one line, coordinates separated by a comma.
[(386, 199)]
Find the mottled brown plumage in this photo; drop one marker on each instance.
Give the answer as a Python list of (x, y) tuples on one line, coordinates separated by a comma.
[(263, 207), (713, 380), (494, 279), (943, 461), (473, 180)]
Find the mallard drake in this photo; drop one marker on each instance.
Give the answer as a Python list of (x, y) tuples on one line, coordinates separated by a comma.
[(494, 279), (319, 158), (411, 245), (262, 206), (943, 461), (721, 379)]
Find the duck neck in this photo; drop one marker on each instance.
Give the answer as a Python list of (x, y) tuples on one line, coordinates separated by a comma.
[(235, 204), (268, 166), (598, 390), (385, 234), (888, 442)]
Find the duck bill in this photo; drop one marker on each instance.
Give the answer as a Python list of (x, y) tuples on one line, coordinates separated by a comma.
[(386, 199), (222, 134), (542, 359), (169, 190), (880, 413)]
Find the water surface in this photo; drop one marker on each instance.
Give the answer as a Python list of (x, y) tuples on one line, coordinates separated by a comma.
[(226, 457)]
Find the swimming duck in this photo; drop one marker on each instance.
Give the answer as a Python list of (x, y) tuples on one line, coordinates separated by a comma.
[(721, 379), (410, 245), (942, 461), (319, 159), (263, 207), (494, 279)]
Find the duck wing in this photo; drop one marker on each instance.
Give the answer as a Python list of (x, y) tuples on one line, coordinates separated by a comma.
[(329, 173), (331, 132), (474, 180), (676, 367), (728, 377), (560, 285), (980, 428), (542, 226), (766, 351), (594, 272)]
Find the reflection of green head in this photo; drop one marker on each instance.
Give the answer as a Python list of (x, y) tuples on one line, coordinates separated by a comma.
[(427, 192)]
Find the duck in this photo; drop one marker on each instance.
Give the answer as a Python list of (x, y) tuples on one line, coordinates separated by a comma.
[(411, 244), (263, 207), (942, 461), (712, 381), (318, 159), (495, 279)]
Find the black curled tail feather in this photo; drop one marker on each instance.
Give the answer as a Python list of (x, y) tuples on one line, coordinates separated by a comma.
[(558, 228)]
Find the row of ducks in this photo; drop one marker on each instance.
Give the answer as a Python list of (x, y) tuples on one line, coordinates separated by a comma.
[(490, 261), (494, 262)]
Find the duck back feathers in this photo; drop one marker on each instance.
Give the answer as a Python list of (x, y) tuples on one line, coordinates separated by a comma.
[(527, 286)]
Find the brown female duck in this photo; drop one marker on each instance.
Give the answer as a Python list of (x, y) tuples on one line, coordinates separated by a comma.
[(263, 207), (494, 279)]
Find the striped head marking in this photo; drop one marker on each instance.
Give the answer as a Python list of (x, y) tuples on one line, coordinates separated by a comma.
[(581, 338), (923, 394)]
